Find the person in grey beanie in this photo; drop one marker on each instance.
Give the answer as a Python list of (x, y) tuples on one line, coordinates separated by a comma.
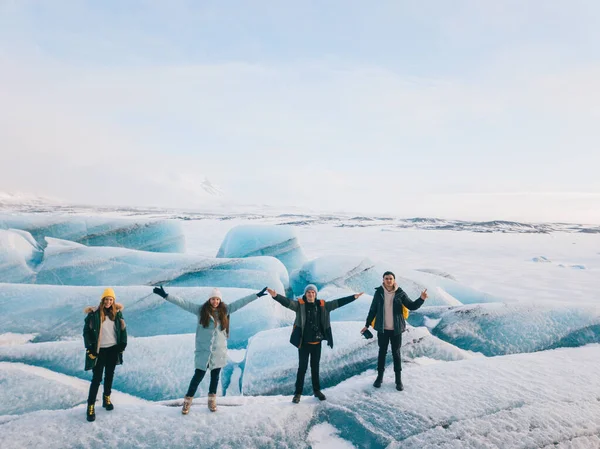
[(311, 327)]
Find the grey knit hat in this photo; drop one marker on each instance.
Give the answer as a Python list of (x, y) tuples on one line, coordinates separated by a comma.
[(312, 287)]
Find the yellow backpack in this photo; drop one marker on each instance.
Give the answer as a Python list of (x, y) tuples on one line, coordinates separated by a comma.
[(405, 313)]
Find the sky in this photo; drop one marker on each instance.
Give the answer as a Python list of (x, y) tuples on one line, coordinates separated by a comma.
[(467, 109)]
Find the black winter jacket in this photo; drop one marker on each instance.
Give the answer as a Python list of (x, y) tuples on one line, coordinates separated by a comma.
[(377, 309)]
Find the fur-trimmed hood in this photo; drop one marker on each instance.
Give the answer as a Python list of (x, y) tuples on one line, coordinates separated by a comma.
[(92, 309)]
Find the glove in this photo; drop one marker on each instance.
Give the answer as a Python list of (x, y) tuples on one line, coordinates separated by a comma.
[(122, 347), (160, 291), (263, 292), (91, 353)]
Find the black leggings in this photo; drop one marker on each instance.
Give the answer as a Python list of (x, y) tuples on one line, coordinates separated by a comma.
[(107, 360), (199, 375)]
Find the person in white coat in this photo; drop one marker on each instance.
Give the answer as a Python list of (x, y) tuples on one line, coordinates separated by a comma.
[(212, 332)]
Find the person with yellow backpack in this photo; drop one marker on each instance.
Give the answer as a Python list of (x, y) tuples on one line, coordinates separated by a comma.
[(387, 315)]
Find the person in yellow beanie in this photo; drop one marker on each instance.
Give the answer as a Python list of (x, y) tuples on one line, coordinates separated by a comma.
[(105, 339)]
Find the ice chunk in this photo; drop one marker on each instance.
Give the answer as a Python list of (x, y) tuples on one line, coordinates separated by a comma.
[(68, 263), (495, 329), (264, 240), (56, 312), (352, 354), (18, 256), (139, 233)]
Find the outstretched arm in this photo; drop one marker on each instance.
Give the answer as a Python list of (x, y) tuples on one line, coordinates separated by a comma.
[(238, 304), (341, 302), (183, 303), (414, 305), (285, 302)]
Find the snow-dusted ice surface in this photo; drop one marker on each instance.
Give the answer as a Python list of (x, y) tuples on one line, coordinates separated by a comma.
[(139, 233), (24, 391), (515, 401), (264, 240), (261, 422), (270, 356), (68, 263), (55, 312)]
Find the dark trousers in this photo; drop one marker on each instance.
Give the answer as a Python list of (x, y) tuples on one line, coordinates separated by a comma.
[(106, 362), (304, 352), (198, 376), (384, 339)]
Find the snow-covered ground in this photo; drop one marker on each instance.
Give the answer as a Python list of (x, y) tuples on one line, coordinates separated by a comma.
[(519, 372)]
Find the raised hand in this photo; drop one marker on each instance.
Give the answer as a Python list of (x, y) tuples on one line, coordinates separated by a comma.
[(272, 292), (263, 292), (424, 295), (160, 291)]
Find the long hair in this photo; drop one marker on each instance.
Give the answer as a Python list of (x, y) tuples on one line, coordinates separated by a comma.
[(111, 311), (219, 314)]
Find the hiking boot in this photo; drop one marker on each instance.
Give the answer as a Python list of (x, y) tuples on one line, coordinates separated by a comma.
[(106, 403), (91, 413), (377, 383), (320, 395), (212, 402), (187, 403), (296, 398), (399, 385)]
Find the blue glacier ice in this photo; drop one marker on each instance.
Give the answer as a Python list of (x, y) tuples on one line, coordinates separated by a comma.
[(280, 242), (358, 273), (69, 263), (498, 328), (271, 361), (19, 254), (56, 312), (139, 233)]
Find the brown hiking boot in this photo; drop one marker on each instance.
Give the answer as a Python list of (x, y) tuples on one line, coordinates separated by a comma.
[(212, 402), (187, 403)]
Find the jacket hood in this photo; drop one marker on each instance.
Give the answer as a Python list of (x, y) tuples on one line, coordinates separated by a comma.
[(91, 309)]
